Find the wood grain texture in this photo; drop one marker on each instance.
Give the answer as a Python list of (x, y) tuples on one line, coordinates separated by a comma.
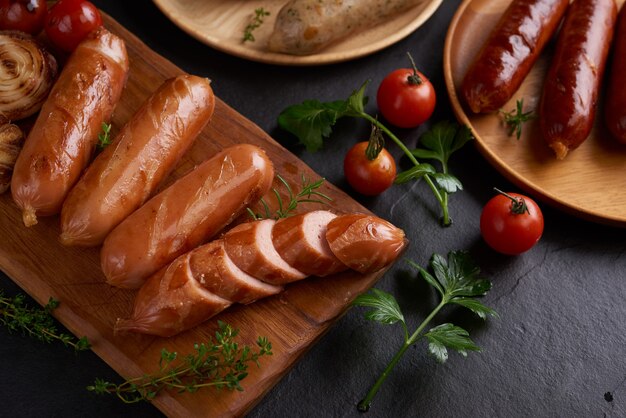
[(293, 320), (221, 24), (588, 183)]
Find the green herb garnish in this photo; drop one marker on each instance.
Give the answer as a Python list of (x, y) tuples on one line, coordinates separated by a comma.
[(104, 137), (36, 322), (457, 282), (307, 194), (312, 121), (516, 118), (257, 20), (220, 363)]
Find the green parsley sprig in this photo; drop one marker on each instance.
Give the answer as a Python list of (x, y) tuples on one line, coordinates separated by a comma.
[(257, 20), (307, 194), (312, 121), (516, 118), (36, 322), (457, 281), (220, 363)]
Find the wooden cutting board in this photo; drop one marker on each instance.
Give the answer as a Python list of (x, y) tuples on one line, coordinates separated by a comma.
[(293, 320)]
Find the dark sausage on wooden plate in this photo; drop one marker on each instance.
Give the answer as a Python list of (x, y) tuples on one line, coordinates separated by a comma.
[(64, 137), (186, 214), (509, 53), (615, 105), (570, 92), (202, 283), (145, 151)]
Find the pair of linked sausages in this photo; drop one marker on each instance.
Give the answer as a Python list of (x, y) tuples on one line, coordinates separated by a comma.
[(570, 92), (151, 242)]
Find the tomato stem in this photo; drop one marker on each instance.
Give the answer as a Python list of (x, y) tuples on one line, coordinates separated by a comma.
[(414, 79), (518, 204)]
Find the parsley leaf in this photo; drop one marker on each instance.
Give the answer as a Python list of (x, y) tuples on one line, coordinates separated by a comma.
[(385, 308), (449, 336)]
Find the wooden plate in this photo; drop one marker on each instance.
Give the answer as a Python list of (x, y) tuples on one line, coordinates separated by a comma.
[(590, 182), (220, 24), (293, 320)]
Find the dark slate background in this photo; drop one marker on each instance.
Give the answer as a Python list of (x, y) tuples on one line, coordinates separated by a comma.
[(558, 348)]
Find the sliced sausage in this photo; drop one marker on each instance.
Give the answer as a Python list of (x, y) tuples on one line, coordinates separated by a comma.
[(145, 151), (63, 139), (250, 247), (186, 214), (212, 267), (171, 301), (509, 52), (301, 241), (615, 108), (365, 243), (568, 102)]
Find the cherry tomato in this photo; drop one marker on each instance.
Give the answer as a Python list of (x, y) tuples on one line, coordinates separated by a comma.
[(369, 177), (25, 15), (511, 223), (69, 21), (406, 98)]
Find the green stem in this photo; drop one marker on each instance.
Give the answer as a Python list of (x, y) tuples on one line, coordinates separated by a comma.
[(364, 405), (441, 196)]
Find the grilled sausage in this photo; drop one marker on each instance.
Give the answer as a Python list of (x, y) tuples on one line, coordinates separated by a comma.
[(568, 103), (615, 106), (250, 247), (301, 242), (62, 141), (364, 243), (186, 214), (145, 151), (305, 26), (509, 53)]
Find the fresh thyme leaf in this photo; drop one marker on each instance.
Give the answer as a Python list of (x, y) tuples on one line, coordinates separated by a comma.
[(104, 137), (221, 363), (36, 322), (516, 118), (449, 336), (457, 281), (257, 20), (307, 194), (385, 309)]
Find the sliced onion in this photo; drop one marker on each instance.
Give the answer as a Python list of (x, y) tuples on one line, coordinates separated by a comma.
[(27, 72)]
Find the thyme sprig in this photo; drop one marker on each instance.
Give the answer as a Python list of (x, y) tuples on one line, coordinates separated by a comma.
[(516, 118), (104, 137), (36, 322), (220, 363), (457, 281), (308, 194), (257, 20)]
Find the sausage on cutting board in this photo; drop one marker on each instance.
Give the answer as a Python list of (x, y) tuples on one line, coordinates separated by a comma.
[(305, 26), (570, 91), (144, 152), (63, 139), (615, 104), (186, 214), (509, 52)]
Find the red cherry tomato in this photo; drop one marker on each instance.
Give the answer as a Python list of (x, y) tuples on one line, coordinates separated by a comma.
[(406, 98), (25, 15), (507, 227), (369, 177), (69, 21)]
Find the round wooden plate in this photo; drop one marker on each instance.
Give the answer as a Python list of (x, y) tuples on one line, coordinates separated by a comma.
[(590, 182), (220, 24)]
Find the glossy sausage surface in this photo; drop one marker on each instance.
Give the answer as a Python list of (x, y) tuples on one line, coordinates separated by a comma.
[(63, 139), (570, 93), (615, 105), (144, 152), (186, 214), (509, 53)]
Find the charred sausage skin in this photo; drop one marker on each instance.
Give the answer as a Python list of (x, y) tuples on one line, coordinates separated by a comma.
[(570, 93), (509, 53)]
